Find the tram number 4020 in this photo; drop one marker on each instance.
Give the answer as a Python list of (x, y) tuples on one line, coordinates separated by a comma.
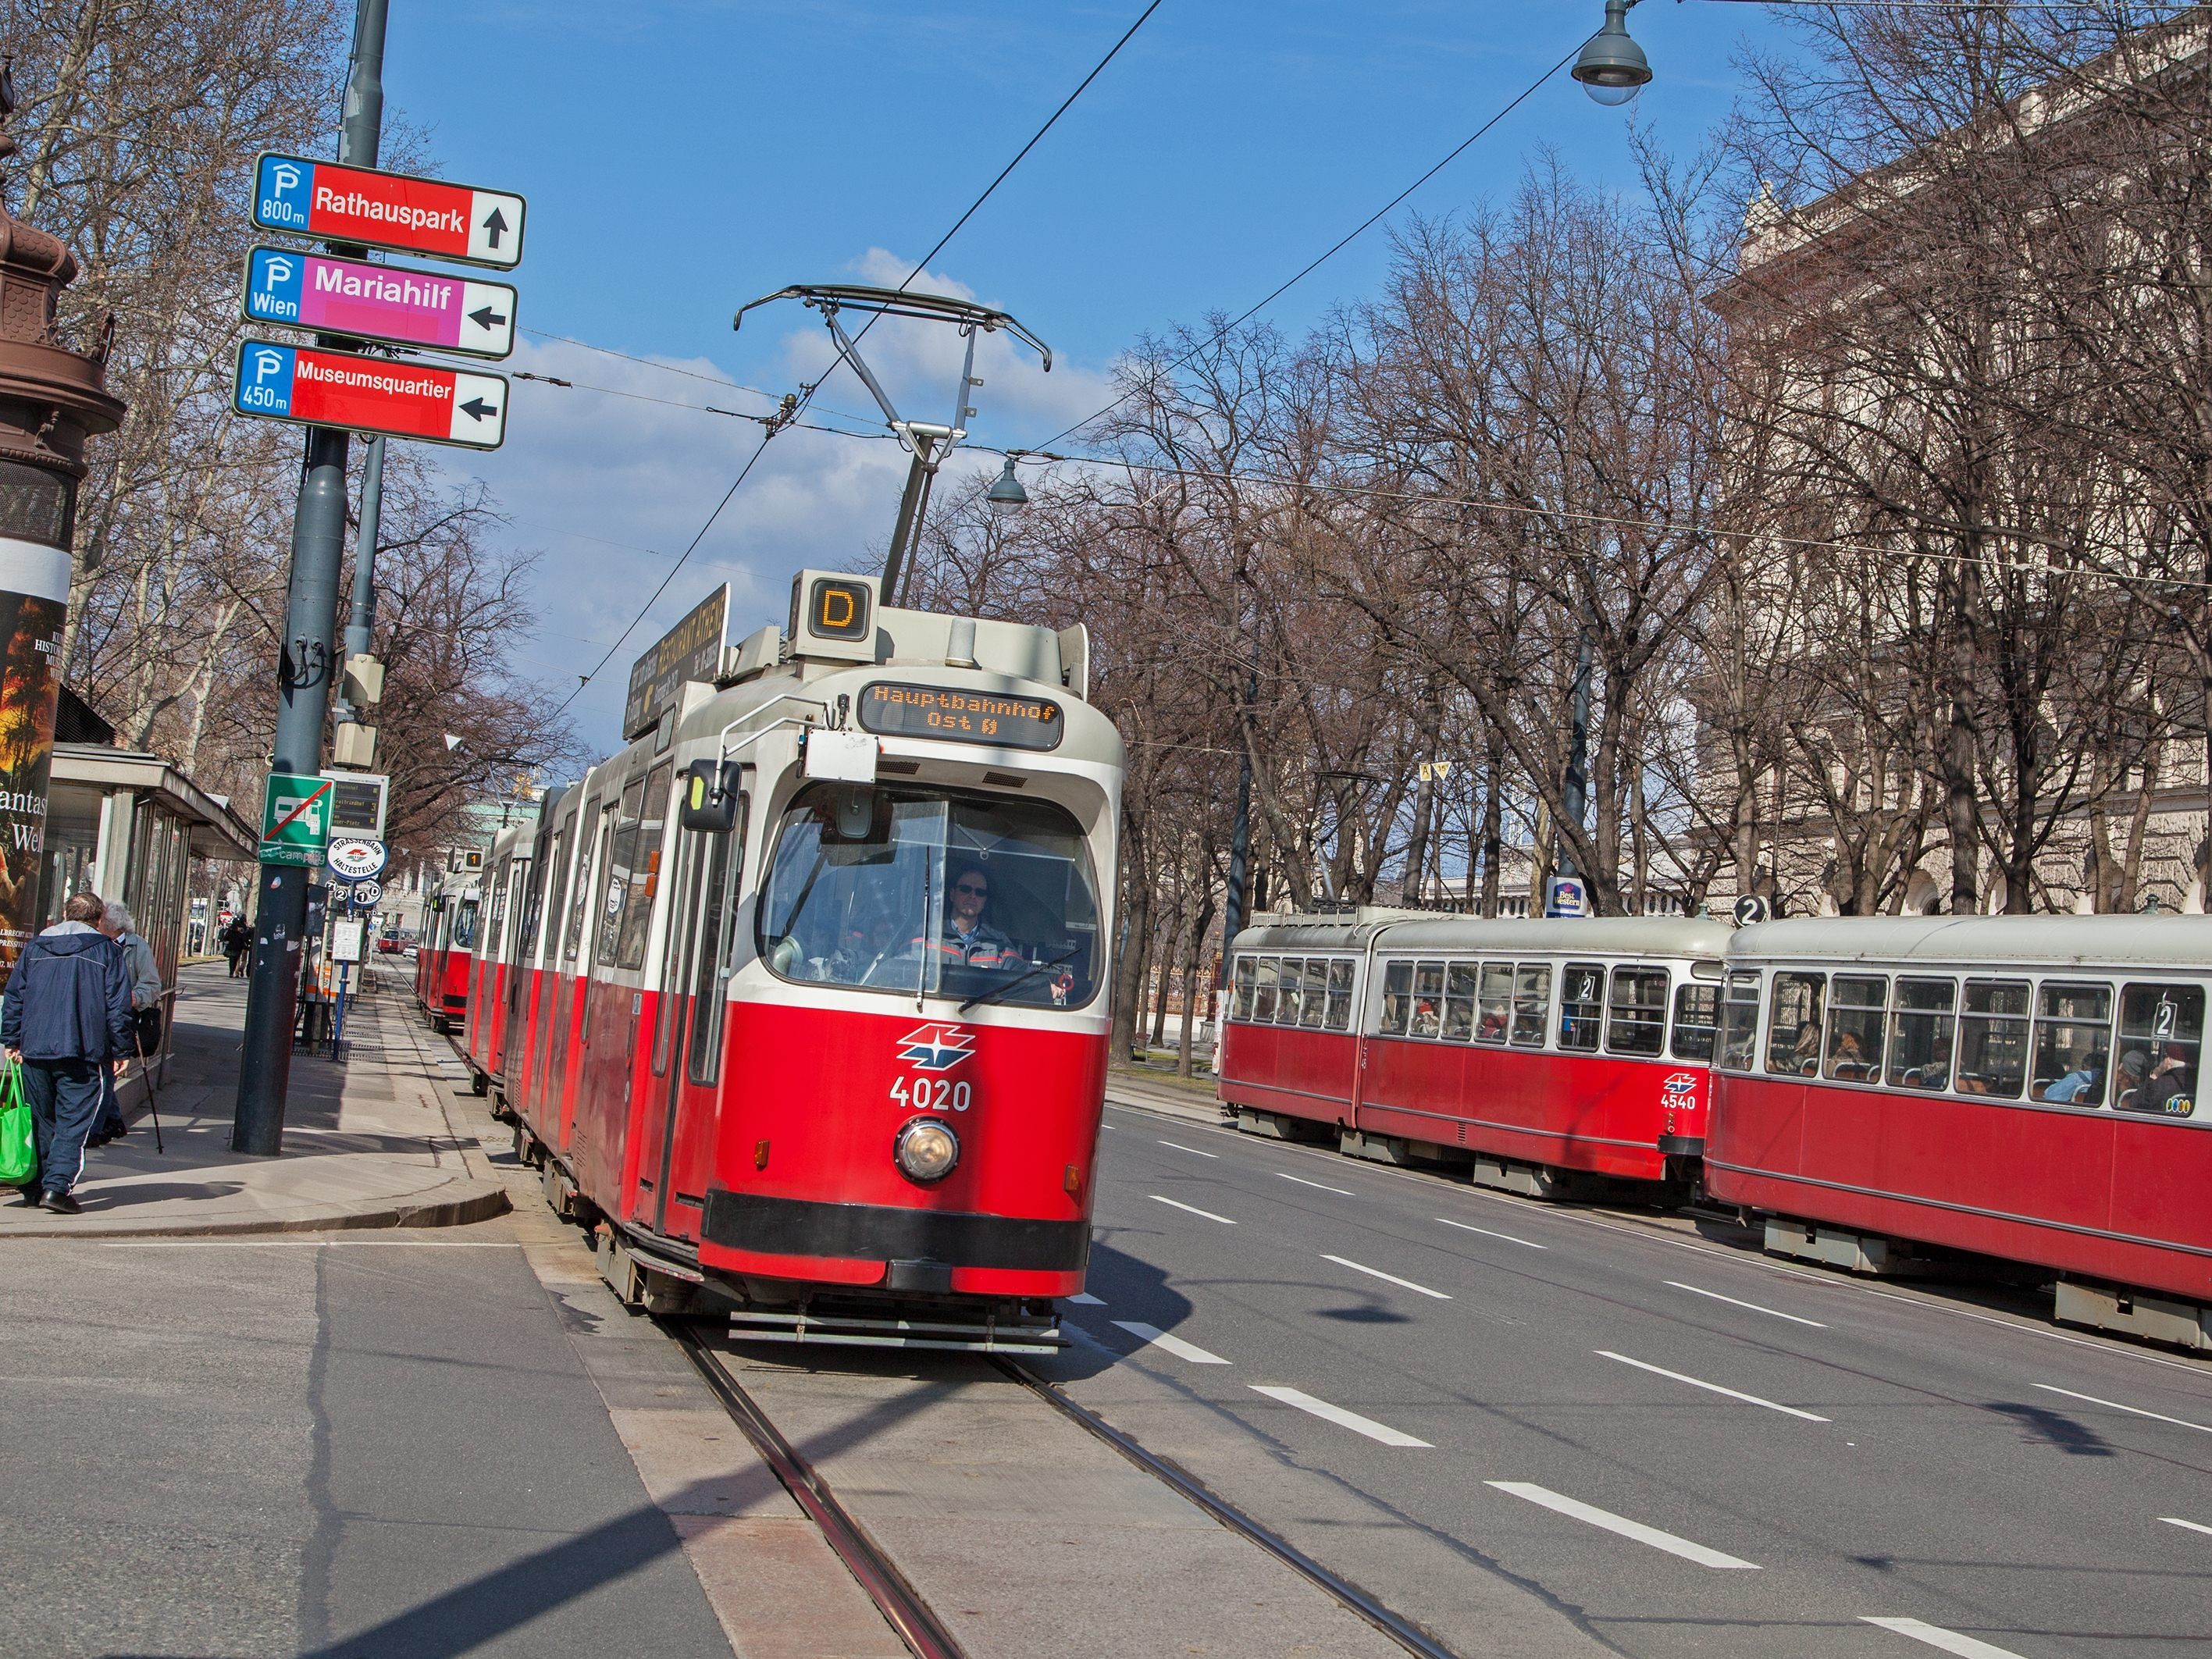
[(922, 1094)]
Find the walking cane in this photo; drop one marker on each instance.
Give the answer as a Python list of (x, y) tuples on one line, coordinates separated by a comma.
[(139, 1041)]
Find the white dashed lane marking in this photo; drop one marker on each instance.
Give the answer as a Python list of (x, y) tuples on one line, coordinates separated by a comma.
[(1153, 1336), (1177, 1204), (1710, 1388), (1576, 1508), (1177, 1145), (1324, 1187), (1773, 1313), (2132, 1410), (1466, 1228), (2193, 1526), (1935, 1636), (1085, 1300), (1338, 1415), (1389, 1279)]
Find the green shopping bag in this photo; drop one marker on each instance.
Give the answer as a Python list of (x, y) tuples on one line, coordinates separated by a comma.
[(19, 1156)]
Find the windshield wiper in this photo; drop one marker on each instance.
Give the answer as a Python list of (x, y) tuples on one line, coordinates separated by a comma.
[(1018, 980)]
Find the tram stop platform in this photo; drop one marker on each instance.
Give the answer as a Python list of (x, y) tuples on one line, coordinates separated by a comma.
[(366, 1144)]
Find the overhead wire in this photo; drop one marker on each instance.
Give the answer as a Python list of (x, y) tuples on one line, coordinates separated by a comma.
[(808, 390)]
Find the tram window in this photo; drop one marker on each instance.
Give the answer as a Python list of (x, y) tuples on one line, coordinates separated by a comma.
[(1697, 1012), (1793, 1024), (1316, 998), (464, 924), (1266, 970), (617, 881), (681, 940), (1740, 1024), (1582, 1005), (1428, 998), (1459, 1001), (1532, 1003), (1859, 1006), (1290, 990), (913, 889), (1494, 1002), (1636, 1015), (714, 960), (1921, 1030), (1240, 1007), (1397, 998), (1340, 995), (566, 915), (498, 905), (644, 871), (2073, 1043), (1993, 1039), (2164, 1024)]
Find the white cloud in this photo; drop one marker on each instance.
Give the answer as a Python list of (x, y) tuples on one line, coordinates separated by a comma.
[(609, 485)]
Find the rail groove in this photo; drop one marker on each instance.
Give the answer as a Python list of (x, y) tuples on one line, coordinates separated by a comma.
[(898, 1601), (1400, 1629)]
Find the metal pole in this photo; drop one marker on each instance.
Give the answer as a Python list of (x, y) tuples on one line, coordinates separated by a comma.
[(909, 515), (307, 660), (361, 622)]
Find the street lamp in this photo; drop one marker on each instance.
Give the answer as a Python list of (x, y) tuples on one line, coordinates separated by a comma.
[(1612, 68), (1007, 496)]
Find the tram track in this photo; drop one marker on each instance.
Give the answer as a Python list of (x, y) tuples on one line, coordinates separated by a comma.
[(904, 1608), (900, 1603), (1400, 1630)]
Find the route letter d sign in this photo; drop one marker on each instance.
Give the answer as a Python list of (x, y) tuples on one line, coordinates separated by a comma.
[(295, 819)]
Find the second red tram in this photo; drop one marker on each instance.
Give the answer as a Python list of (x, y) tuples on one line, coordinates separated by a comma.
[(445, 953), (1532, 1051), (813, 1007), (2017, 1087)]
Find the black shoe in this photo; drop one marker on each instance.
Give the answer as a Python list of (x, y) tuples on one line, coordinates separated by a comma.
[(64, 1204), (27, 1197), (91, 1141)]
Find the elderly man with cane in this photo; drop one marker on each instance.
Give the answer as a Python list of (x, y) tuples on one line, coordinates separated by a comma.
[(145, 1004), (67, 1018)]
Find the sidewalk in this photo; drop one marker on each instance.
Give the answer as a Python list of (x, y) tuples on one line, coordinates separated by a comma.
[(365, 1145), (1190, 1097)]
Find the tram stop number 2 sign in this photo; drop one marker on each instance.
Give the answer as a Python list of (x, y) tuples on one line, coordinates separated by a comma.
[(295, 819)]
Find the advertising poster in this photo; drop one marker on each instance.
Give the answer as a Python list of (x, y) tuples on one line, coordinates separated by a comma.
[(31, 627)]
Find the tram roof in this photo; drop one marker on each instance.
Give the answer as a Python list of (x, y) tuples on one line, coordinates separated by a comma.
[(1416, 930), (2059, 940)]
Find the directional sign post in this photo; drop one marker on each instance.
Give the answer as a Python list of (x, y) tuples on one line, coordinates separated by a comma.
[(295, 819), (370, 394), (387, 210), (379, 302)]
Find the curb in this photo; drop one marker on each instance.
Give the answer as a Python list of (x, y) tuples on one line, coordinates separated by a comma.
[(481, 1205)]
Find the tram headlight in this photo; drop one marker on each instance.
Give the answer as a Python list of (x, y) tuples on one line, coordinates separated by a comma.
[(925, 1149)]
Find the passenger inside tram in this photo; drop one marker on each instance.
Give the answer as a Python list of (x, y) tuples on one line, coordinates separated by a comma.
[(2161, 1031)]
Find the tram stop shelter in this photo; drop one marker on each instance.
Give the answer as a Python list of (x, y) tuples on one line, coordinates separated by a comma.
[(127, 824)]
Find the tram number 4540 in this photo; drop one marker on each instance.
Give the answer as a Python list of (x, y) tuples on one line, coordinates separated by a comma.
[(922, 1094)]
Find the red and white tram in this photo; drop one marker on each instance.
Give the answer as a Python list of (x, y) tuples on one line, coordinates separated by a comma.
[(2018, 1087), (815, 1007), (493, 968), (444, 957), (1535, 1050)]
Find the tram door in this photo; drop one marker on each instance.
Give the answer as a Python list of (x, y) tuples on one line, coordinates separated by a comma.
[(687, 1028), (552, 917), (565, 1080)]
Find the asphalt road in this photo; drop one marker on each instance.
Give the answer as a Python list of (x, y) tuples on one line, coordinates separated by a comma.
[(1541, 1430)]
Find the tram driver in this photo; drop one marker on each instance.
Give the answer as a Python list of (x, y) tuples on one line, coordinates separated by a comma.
[(967, 937)]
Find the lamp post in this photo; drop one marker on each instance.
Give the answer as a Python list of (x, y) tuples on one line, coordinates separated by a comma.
[(1610, 67)]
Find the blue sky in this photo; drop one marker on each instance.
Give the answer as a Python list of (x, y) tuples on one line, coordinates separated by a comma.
[(680, 159)]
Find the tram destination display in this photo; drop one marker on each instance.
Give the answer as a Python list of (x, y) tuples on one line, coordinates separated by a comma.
[(956, 716)]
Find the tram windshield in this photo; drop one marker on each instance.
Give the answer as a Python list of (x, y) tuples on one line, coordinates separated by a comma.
[(915, 890)]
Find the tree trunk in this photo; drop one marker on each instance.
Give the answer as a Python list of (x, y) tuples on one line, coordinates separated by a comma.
[(1493, 818)]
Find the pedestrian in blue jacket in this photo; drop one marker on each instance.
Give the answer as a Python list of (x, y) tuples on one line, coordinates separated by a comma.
[(67, 1017)]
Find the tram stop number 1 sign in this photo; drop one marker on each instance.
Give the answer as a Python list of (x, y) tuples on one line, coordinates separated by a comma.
[(296, 820)]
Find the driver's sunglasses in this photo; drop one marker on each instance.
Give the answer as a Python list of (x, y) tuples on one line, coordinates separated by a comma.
[(970, 887)]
